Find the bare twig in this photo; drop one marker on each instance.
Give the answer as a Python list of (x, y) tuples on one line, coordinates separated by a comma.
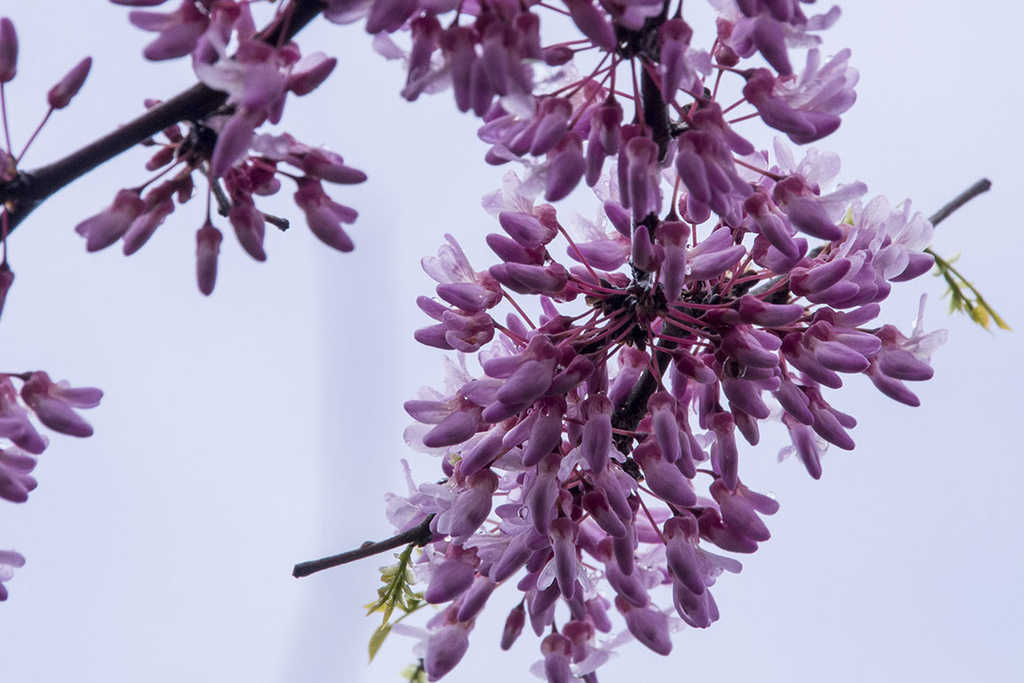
[(420, 535), (980, 187)]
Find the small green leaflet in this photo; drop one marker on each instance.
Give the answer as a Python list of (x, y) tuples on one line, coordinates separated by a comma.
[(964, 297), (415, 673), (394, 594)]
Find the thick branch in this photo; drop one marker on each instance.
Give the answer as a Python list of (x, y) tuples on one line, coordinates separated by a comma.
[(420, 535), (31, 189), (632, 410)]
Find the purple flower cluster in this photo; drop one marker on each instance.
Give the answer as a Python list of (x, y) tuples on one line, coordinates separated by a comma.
[(593, 460), (570, 129), (239, 164), (54, 404), (593, 456), (601, 443)]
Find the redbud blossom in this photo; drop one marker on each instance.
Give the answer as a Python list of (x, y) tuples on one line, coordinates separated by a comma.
[(310, 72), (208, 239), (16, 480), (8, 50), (60, 95), (9, 561), (107, 227), (325, 216), (54, 403)]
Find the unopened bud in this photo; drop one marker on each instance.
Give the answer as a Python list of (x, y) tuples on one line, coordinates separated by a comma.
[(60, 95)]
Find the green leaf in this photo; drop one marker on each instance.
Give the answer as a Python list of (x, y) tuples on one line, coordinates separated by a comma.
[(395, 591), (377, 639), (999, 321)]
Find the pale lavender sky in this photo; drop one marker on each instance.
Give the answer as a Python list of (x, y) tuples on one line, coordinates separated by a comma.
[(262, 426)]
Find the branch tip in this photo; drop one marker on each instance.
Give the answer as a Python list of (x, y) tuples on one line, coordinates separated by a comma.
[(419, 535), (980, 187)]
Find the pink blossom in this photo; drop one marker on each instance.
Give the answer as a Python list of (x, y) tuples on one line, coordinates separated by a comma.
[(107, 227), (14, 422), (444, 650), (459, 284), (54, 403), (8, 50), (208, 239), (9, 561), (179, 30), (60, 95), (325, 216), (16, 480)]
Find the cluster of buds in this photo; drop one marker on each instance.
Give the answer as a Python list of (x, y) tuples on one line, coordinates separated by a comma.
[(595, 462), (239, 164)]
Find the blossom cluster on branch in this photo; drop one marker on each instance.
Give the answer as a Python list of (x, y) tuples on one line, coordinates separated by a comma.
[(590, 453), (239, 165), (593, 460)]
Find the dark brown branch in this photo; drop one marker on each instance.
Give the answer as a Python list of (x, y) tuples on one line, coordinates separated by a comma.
[(420, 535), (629, 413), (655, 112), (30, 189), (980, 187), (632, 410)]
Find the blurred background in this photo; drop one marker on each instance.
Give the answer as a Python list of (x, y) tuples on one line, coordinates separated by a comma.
[(261, 426)]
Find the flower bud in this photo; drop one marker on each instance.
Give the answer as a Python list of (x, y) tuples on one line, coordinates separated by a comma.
[(8, 50), (60, 95), (208, 239)]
